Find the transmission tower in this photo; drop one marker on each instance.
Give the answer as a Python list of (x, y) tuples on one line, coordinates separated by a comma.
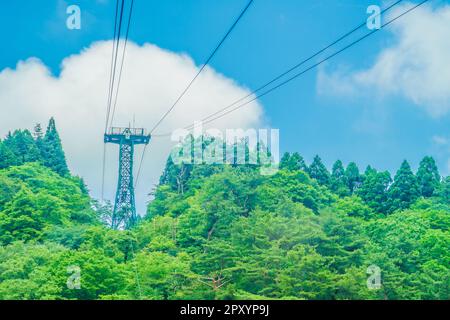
[(124, 214)]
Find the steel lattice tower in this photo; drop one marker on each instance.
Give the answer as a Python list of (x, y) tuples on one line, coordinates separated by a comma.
[(124, 215)]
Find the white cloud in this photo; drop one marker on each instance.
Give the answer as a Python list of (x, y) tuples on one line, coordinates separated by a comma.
[(416, 67), (440, 140), (151, 80)]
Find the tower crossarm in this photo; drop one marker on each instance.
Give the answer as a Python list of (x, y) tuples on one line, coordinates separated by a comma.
[(119, 135)]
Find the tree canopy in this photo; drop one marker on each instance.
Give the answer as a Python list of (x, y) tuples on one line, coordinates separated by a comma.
[(223, 231)]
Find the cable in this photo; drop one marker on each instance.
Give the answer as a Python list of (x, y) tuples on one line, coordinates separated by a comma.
[(103, 173), (298, 65), (320, 62), (108, 103), (140, 166), (306, 70), (122, 62), (202, 68), (317, 64), (191, 82), (116, 42), (115, 60), (286, 72), (111, 67), (136, 274)]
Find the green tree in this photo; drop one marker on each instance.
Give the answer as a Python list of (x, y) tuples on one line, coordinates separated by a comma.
[(374, 190), (428, 176), (25, 217), (293, 162), (369, 170), (227, 232), (7, 158), (160, 276), (176, 176), (307, 275), (26, 271), (33, 198), (339, 183), (22, 145), (353, 177), (405, 189), (443, 191), (52, 151), (38, 133), (318, 171)]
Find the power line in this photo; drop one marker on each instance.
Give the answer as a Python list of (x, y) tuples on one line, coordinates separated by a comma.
[(363, 24), (316, 64), (115, 62), (203, 67), (319, 63), (114, 56), (122, 62), (191, 82), (103, 173), (140, 166), (112, 65), (108, 99)]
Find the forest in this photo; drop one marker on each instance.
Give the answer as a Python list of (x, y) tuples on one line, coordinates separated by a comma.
[(223, 231)]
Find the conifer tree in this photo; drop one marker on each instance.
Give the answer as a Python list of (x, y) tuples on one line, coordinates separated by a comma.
[(369, 170), (338, 179), (443, 191), (428, 176), (292, 162), (284, 161), (22, 146), (52, 151), (353, 177), (374, 190), (318, 171), (38, 134), (405, 189), (6, 156)]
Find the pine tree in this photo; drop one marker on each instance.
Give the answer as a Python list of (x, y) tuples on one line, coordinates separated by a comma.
[(405, 189), (338, 179), (443, 191), (374, 190), (22, 145), (353, 177), (38, 134), (428, 176), (52, 151), (176, 176), (368, 171), (7, 158), (318, 171), (299, 161), (292, 162), (284, 162)]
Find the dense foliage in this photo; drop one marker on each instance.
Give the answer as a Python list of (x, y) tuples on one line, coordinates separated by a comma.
[(224, 231), (22, 146)]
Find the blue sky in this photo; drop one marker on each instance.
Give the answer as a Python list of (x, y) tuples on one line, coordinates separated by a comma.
[(272, 36)]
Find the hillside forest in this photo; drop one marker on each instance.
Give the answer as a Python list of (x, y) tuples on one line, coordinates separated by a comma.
[(223, 231)]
